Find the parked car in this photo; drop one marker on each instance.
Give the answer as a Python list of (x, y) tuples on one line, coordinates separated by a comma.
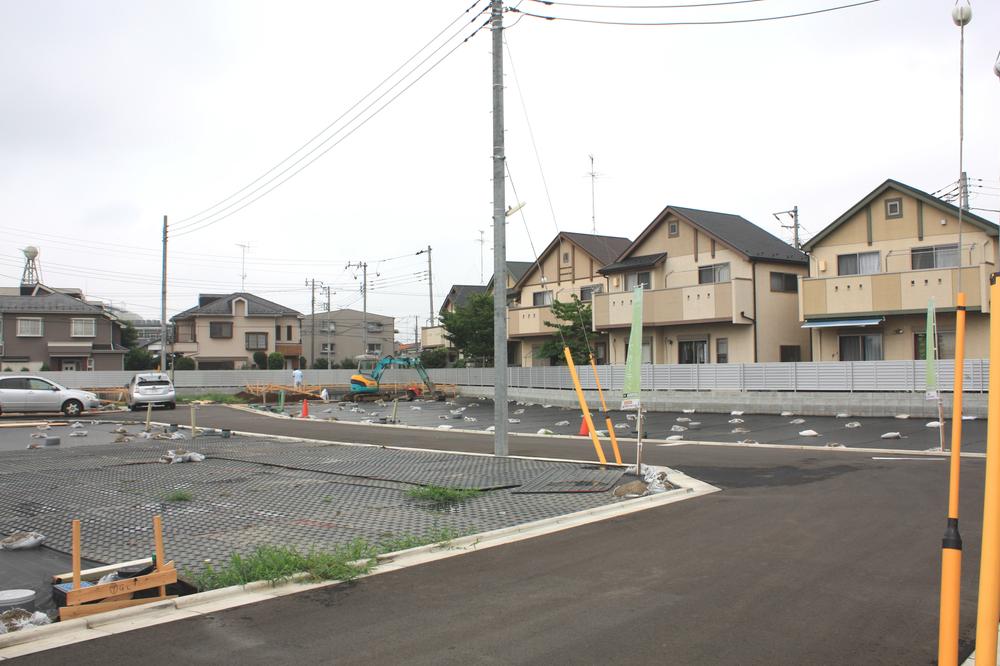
[(37, 394), (151, 388)]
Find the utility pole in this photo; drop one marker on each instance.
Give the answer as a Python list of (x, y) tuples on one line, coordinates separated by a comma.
[(430, 284), (163, 303), (364, 299), (312, 338), (499, 240), (243, 264), (329, 342), (482, 247), (794, 226), (416, 332)]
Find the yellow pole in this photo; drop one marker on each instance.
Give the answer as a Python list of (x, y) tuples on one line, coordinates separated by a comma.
[(604, 408), (614, 440), (600, 392), (951, 545), (583, 407), (989, 561)]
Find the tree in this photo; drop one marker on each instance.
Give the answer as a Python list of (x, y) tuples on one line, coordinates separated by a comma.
[(260, 358), (573, 320), (130, 338), (470, 327), (434, 358), (348, 364), (183, 363), (138, 358), (275, 361), (45, 367), (320, 364)]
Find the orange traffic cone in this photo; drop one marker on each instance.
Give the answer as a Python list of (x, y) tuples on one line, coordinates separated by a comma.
[(305, 410), (584, 431)]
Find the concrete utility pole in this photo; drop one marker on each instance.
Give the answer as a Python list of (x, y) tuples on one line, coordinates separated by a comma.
[(430, 283), (163, 303), (312, 337), (794, 212), (243, 264), (364, 299), (416, 332), (499, 241), (329, 342)]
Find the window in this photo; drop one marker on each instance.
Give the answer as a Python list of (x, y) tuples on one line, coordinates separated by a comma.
[(866, 347), (674, 229), (893, 208), (785, 282), (83, 328), (256, 341), (541, 298), (90, 363), (29, 327), (565, 257), (374, 348), (692, 351), (642, 278), (14, 383), (587, 293), (277, 332), (374, 327), (934, 256), (223, 329), (790, 353), (647, 350), (945, 348), (288, 333), (601, 353), (722, 350), (36, 384), (329, 347), (862, 263), (714, 273)]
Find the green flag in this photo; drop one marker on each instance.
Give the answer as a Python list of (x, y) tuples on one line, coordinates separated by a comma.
[(930, 342), (633, 365)]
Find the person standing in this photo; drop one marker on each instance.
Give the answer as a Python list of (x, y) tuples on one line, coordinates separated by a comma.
[(297, 377)]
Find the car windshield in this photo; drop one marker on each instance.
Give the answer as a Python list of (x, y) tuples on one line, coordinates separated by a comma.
[(154, 382)]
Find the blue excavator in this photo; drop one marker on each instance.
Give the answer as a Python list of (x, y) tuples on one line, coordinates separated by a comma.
[(366, 383)]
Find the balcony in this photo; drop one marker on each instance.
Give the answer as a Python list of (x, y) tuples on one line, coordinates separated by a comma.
[(289, 349), (528, 321), (184, 347), (721, 301), (893, 293), (432, 337)]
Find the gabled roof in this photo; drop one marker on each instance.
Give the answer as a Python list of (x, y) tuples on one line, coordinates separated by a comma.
[(633, 263), (515, 269), (46, 303), (920, 195), (604, 249), (460, 294), (737, 232), (222, 305)]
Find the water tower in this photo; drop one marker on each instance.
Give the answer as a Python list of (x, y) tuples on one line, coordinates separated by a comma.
[(31, 275)]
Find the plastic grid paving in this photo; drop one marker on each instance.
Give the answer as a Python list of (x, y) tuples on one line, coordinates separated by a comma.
[(255, 491)]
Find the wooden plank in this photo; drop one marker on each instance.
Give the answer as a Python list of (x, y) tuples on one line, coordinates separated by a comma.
[(32, 424), (158, 542), (76, 554), (97, 572), (71, 612), (156, 579)]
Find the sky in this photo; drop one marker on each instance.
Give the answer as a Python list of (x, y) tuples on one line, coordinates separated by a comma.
[(116, 113)]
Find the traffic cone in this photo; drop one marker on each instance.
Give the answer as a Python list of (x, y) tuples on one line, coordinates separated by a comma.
[(305, 410), (584, 431)]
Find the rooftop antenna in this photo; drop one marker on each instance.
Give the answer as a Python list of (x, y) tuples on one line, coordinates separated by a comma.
[(31, 274), (593, 186), (243, 264)]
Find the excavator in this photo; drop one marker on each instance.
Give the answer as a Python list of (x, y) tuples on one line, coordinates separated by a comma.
[(366, 384)]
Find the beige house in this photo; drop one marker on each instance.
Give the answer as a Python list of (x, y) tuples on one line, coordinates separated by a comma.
[(569, 266), (345, 334), (224, 330), (718, 289), (874, 269)]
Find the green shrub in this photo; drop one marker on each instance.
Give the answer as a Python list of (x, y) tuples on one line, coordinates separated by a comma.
[(275, 361), (320, 364), (441, 495), (184, 363), (260, 359)]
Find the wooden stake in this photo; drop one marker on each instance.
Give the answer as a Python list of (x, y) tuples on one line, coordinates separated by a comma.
[(76, 554), (158, 541)]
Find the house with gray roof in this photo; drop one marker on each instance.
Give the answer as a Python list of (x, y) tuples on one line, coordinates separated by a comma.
[(42, 327), (224, 331), (717, 288)]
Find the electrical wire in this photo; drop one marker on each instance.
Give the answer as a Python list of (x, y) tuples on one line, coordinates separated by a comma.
[(683, 23), (684, 6)]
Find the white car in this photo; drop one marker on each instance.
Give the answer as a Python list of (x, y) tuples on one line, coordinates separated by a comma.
[(151, 388), (21, 393)]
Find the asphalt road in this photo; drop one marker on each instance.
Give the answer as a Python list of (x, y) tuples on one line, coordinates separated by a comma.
[(806, 557)]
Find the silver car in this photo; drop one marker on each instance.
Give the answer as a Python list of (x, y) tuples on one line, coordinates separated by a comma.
[(151, 388), (37, 394)]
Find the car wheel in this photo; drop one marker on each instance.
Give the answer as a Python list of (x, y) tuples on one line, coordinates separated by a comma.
[(72, 408), (171, 405)]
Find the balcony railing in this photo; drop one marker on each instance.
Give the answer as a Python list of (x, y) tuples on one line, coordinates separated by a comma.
[(433, 336), (530, 321), (902, 292), (721, 301), (288, 348)]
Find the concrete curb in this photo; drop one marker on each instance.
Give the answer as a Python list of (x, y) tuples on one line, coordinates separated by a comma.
[(38, 639)]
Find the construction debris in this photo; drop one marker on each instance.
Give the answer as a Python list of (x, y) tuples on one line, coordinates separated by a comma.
[(809, 433), (892, 435), (853, 424), (796, 421), (22, 541), (181, 456), (16, 619)]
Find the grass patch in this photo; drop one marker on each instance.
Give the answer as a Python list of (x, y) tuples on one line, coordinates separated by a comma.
[(221, 398), (442, 496), (438, 536), (179, 495), (277, 564)]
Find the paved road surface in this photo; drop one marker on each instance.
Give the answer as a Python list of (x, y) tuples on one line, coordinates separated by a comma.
[(806, 557)]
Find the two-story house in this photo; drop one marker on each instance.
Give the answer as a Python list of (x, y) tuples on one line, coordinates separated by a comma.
[(874, 269), (224, 330), (569, 266), (718, 289), (62, 332), (344, 334)]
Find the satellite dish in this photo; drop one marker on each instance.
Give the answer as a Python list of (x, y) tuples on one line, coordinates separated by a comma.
[(30, 252)]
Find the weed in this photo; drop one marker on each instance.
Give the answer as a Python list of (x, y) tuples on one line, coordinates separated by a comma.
[(179, 495), (442, 496), (439, 536), (221, 398)]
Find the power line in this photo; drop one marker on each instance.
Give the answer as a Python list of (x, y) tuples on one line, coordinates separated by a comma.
[(681, 23), (685, 6), (207, 221)]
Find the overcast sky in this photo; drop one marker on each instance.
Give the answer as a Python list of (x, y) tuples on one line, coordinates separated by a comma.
[(116, 113)]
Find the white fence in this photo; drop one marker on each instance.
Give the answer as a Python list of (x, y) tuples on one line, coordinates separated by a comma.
[(863, 376)]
